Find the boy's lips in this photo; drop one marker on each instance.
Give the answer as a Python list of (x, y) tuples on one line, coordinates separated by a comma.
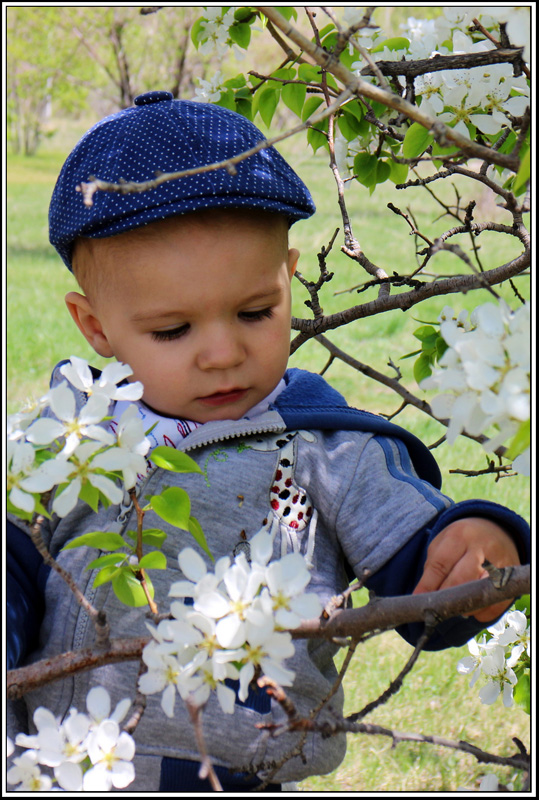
[(224, 397)]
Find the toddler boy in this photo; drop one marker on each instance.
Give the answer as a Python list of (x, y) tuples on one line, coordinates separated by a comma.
[(189, 283)]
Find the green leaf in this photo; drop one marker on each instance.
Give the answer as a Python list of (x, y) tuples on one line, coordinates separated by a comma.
[(227, 100), (102, 540), (267, 103), (240, 33), (128, 590), (316, 139), (523, 604), (153, 537), (396, 43), (105, 575), (287, 11), (111, 559), (383, 171), (354, 108), (438, 150), (310, 73), (399, 172), (425, 332), (237, 82), (441, 347), (329, 41), (90, 495), (521, 692), (197, 533), (347, 131), (523, 174), (153, 560), (310, 107), (327, 29), (416, 140), (174, 506), (174, 460), (520, 441), (18, 512), (285, 74), (365, 168), (243, 107), (409, 355), (197, 30), (244, 14), (293, 95), (422, 367)]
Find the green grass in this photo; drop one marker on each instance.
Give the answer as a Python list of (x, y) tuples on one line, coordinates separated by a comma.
[(434, 699)]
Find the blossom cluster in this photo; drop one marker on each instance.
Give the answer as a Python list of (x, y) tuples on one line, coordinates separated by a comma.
[(49, 444), (87, 752), (495, 658), (215, 35), (484, 97), (484, 375), (232, 626)]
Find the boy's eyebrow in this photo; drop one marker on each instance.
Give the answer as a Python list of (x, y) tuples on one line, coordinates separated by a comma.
[(264, 294)]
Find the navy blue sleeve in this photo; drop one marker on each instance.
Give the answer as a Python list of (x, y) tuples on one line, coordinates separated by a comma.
[(401, 574), (26, 575)]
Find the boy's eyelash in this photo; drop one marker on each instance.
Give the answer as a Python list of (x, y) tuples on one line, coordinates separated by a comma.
[(253, 316), (177, 333), (169, 335)]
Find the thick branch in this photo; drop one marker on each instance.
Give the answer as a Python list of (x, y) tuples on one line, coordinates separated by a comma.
[(25, 679), (379, 614), (405, 300), (411, 69), (387, 613)]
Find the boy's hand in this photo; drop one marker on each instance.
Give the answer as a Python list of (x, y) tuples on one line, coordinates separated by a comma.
[(456, 554)]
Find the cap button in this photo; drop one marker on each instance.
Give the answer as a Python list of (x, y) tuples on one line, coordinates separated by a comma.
[(152, 97)]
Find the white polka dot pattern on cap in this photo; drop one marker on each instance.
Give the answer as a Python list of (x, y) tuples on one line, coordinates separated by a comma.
[(162, 134)]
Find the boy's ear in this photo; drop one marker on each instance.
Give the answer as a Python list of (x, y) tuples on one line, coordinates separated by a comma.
[(293, 256), (88, 323)]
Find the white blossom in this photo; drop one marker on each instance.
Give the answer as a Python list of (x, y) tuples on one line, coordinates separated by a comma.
[(214, 31), (20, 458), (69, 426), (493, 659), (111, 752), (209, 91), (65, 747), (79, 374), (26, 773), (484, 375)]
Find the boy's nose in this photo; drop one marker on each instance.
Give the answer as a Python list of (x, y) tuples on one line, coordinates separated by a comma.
[(222, 349)]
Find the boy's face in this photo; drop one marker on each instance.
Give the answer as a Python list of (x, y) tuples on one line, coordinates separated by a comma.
[(199, 307)]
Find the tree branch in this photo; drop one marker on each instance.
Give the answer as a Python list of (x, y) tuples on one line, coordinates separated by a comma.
[(95, 184), (412, 69), (463, 283), (379, 614)]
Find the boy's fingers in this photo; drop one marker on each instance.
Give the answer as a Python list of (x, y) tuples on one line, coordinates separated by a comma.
[(443, 556)]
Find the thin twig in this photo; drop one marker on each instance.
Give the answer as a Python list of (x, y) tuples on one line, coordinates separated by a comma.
[(94, 184), (206, 767), (97, 616)]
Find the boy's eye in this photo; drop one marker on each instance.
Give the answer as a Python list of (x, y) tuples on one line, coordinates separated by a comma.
[(253, 316), (170, 334)]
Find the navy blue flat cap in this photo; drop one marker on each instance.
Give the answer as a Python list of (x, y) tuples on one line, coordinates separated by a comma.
[(160, 134)]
